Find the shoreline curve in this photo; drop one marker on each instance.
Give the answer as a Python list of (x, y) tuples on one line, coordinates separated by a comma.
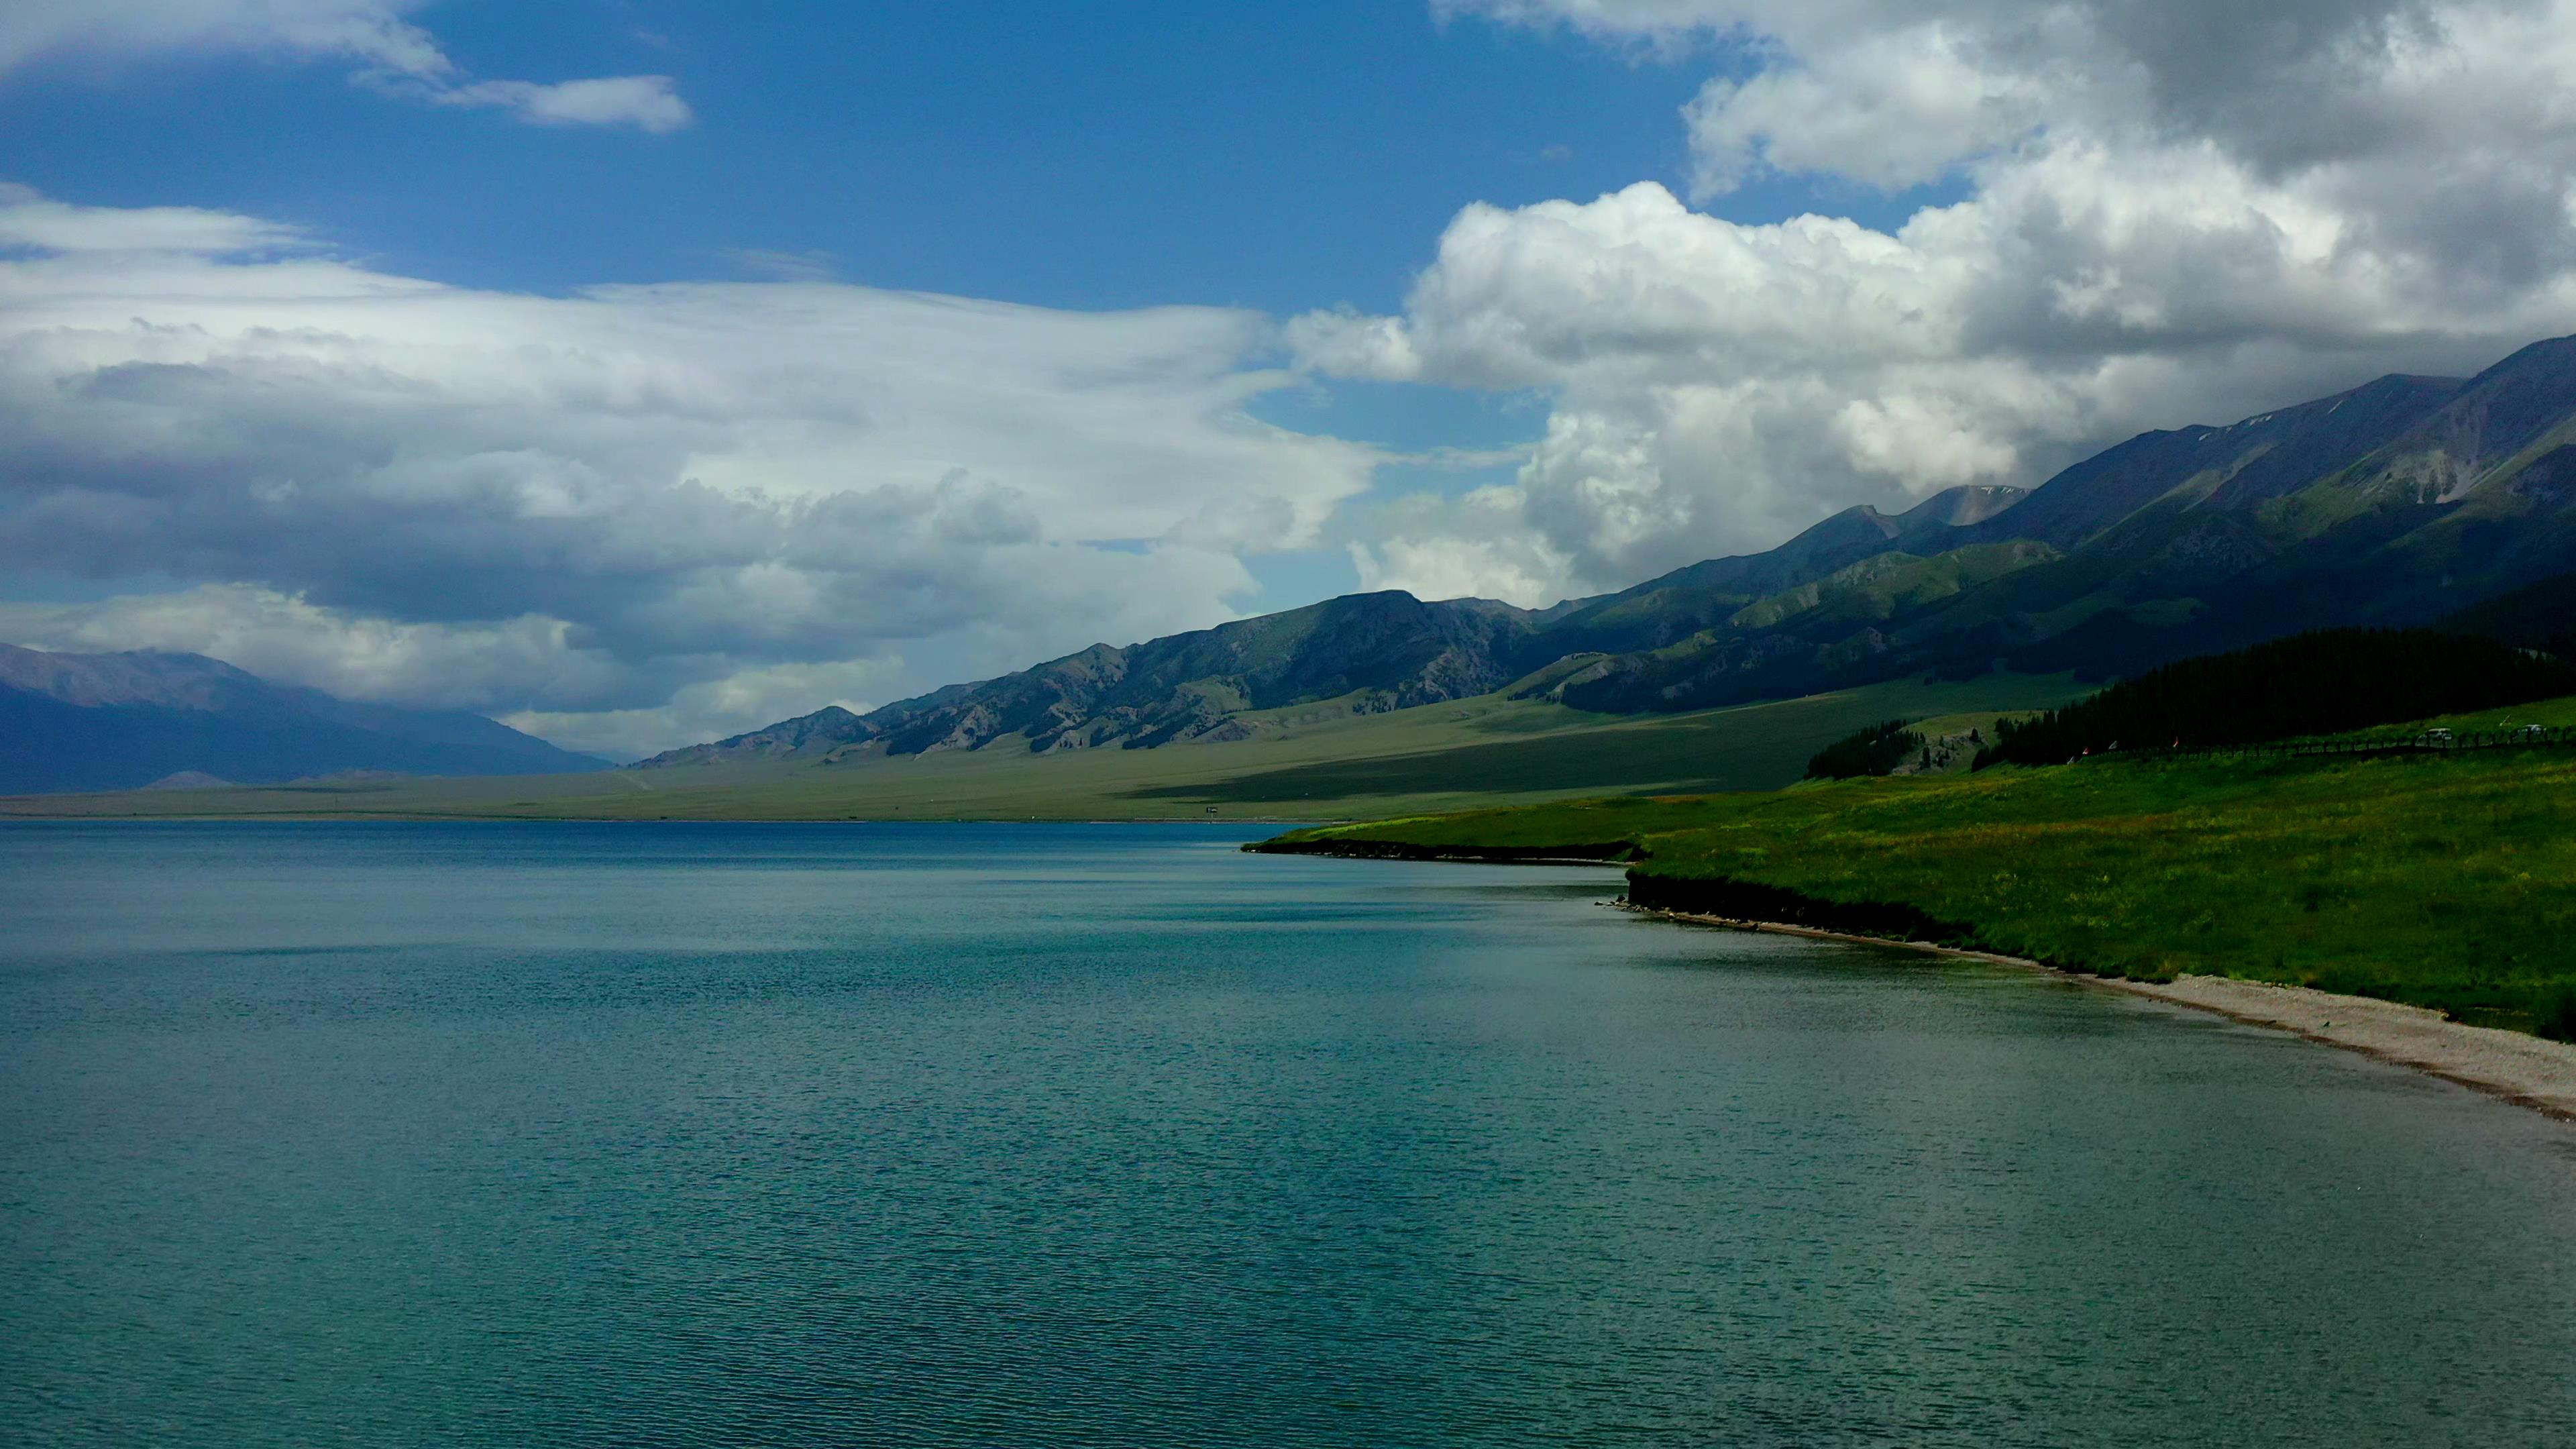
[(2526, 1071)]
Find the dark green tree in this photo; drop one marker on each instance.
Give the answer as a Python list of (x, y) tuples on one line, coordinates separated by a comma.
[(2308, 684), (1873, 751)]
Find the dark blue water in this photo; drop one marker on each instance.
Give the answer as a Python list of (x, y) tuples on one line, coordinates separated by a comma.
[(466, 1134)]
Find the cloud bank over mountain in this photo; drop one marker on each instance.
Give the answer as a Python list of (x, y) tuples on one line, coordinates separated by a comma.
[(629, 516), (598, 505), (2128, 216), (389, 52)]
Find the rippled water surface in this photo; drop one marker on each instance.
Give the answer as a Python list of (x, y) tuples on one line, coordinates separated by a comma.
[(466, 1134)]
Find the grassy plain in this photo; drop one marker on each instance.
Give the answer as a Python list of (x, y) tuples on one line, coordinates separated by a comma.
[(2441, 881), (1317, 764)]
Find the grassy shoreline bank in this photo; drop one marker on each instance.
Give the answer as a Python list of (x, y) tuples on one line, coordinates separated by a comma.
[(2511, 1066), (2447, 883), (2508, 1066)]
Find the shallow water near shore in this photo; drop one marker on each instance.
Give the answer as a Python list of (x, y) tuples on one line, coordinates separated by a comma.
[(1099, 1135)]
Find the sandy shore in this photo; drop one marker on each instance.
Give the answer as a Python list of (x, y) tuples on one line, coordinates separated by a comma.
[(2520, 1069)]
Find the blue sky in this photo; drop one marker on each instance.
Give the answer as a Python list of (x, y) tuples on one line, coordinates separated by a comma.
[(638, 371), (1075, 157), (1084, 157)]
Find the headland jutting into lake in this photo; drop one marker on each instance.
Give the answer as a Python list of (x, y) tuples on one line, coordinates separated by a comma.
[(2417, 909)]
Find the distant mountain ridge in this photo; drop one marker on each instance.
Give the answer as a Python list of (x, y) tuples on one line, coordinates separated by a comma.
[(1390, 650), (1373, 652), (2398, 502), (124, 721)]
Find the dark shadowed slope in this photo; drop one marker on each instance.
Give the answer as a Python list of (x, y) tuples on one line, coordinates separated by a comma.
[(120, 721), (2541, 616), (2393, 504)]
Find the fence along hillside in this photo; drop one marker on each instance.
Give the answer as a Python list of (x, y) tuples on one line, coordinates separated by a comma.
[(2322, 683)]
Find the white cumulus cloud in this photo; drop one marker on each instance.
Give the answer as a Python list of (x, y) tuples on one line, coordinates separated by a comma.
[(390, 52), (2168, 214), (646, 102), (593, 505)]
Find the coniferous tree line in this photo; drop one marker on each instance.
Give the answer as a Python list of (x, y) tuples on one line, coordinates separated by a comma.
[(2541, 616), (1873, 751), (2309, 684)]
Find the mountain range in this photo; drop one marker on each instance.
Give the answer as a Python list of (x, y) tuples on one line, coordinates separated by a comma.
[(122, 721), (2401, 501)]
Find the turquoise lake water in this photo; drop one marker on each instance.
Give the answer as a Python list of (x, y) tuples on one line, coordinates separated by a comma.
[(1030, 1135)]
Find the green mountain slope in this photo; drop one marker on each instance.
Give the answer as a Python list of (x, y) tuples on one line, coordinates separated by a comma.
[(2394, 503), (1666, 610), (1359, 654), (1378, 651)]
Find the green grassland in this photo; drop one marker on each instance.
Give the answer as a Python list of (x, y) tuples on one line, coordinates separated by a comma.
[(2553, 713), (1311, 762), (2443, 881)]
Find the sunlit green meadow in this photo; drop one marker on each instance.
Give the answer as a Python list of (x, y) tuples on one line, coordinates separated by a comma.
[(2444, 881)]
